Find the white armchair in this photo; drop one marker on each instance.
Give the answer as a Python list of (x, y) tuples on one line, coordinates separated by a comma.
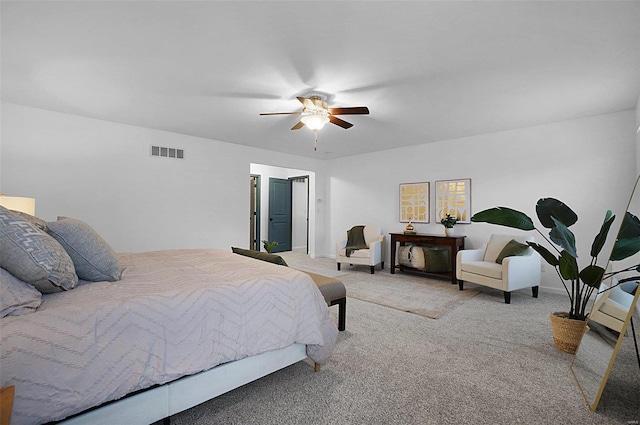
[(516, 272), (372, 256)]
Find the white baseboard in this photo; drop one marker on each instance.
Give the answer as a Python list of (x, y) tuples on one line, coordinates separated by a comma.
[(561, 291), (551, 290)]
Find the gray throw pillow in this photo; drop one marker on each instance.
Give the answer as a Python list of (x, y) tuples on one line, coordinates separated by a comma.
[(511, 249), (16, 296), (264, 256), (92, 256), (34, 257)]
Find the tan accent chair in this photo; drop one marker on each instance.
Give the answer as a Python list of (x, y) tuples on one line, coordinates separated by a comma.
[(479, 266), (371, 256)]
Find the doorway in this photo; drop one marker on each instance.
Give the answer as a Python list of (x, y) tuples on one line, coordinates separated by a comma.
[(304, 213), (280, 213)]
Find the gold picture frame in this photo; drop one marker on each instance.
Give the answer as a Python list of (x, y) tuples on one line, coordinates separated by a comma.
[(454, 197), (414, 202)]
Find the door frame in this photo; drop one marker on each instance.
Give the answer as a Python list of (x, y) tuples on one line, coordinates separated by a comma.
[(254, 193), (307, 181)]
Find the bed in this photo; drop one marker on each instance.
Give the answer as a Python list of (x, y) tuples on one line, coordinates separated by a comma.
[(178, 328)]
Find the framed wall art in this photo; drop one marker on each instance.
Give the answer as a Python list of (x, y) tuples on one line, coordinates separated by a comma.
[(454, 197), (414, 202)]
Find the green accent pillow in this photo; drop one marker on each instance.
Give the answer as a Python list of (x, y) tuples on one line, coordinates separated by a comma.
[(436, 260), (264, 256), (512, 249)]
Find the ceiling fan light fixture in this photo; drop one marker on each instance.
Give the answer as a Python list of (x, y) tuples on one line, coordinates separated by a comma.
[(315, 121)]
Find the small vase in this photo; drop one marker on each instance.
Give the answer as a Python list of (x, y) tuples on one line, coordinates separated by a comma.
[(448, 231)]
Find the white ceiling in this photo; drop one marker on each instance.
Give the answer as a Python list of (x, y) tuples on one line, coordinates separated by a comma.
[(427, 70)]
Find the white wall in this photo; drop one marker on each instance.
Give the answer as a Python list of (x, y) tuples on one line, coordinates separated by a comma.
[(102, 173), (638, 136), (589, 164)]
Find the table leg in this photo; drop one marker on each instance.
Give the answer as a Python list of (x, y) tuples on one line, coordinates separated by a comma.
[(393, 256), (454, 252)]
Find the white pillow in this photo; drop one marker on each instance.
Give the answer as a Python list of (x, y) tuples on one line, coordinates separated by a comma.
[(494, 247)]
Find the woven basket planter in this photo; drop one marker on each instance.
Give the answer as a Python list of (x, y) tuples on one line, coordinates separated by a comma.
[(567, 333)]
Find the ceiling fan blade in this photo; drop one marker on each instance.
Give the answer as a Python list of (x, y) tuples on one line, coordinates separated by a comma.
[(350, 110), (338, 121), (298, 126), (280, 113)]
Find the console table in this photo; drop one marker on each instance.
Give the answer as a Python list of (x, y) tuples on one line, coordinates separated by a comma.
[(454, 243)]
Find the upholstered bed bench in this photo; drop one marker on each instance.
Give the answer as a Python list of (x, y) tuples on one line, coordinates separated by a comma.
[(332, 290), (334, 293)]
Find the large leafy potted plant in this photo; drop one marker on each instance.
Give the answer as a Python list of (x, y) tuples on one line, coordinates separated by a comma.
[(580, 284)]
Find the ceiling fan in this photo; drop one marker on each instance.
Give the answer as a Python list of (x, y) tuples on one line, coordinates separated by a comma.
[(315, 114)]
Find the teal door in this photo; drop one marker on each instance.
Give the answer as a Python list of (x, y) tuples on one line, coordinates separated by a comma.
[(280, 213)]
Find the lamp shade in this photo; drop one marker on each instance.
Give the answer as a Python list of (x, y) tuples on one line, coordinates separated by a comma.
[(16, 203), (315, 121)]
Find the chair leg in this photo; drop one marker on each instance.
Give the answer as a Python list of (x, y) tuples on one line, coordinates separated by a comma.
[(461, 284), (342, 314), (373, 269), (382, 266), (507, 297), (338, 266), (535, 291)]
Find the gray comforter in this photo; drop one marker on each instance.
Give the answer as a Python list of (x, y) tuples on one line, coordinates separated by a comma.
[(173, 313)]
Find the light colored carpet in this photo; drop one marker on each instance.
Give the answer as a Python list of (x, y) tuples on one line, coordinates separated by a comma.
[(405, 292), (484, 363)]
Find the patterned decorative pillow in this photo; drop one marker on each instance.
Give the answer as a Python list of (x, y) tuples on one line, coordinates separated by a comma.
[(16, 296), (37, 222), (34, 257), (93, 257)]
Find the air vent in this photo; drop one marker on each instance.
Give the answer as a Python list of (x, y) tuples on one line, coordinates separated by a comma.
[(163, 152)]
